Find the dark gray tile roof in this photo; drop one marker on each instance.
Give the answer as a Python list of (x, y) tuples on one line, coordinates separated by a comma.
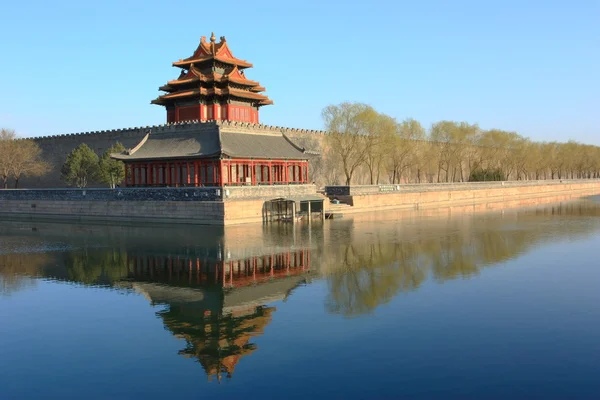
[(205, 143), (252, 145)]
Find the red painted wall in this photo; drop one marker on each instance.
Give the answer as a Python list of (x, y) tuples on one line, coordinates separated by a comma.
[(232, 113)]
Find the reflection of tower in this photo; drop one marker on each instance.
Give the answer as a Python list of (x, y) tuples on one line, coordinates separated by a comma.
[(217, 306), (217, 342)]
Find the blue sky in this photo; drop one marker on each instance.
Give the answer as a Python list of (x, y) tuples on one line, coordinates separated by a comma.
[(528, 66)]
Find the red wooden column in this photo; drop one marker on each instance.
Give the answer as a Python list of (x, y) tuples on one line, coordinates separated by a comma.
[(133, 175), (214, 172), (168, 174), (286, 172), (270, 173), (195, 173), (220, 164), (148, 173), (126, 175), (187, 171), (229, 172)]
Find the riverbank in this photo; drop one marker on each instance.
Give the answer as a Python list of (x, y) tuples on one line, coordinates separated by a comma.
[(250, 204)]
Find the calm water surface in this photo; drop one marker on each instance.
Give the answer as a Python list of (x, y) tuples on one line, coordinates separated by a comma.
[(439, 304)]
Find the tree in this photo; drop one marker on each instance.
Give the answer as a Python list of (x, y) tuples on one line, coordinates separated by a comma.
[(19, 158), (402, 150), (349, 126), (81, 167), (486, 175), (112, 172), (382, 129), (7, 154), (28, 160)]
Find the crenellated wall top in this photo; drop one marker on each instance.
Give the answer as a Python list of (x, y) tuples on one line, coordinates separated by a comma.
[(171, 127)]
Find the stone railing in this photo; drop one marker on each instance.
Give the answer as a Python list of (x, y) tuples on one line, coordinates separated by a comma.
[(358, 190), (268, 192), (119, 194), (162, 194)]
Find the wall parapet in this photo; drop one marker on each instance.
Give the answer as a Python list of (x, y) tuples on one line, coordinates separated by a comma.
[(124, 194), (161, 193), (268, 192)]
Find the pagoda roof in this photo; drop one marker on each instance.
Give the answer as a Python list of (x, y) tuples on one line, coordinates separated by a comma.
[(211, 140), (194, 75), (208, 51), (192, 78), (244, 94)]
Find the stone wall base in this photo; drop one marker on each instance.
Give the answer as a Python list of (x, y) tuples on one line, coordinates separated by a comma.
[(446, 198)]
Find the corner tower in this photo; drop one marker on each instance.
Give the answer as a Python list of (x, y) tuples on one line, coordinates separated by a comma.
[(212, 86)]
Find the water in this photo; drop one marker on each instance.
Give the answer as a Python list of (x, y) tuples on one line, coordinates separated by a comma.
[(434, 304)]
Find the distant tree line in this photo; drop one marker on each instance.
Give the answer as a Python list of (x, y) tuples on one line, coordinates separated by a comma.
[(364, 146)]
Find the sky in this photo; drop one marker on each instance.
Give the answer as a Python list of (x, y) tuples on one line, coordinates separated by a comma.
[(527, 66)]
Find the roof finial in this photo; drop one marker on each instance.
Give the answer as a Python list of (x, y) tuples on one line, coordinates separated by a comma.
[(212, 37)]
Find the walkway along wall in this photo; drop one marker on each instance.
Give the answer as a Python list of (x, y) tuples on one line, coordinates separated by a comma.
[(416, 196)]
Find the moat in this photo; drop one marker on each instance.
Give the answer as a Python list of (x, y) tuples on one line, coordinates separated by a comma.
[(423, 304)]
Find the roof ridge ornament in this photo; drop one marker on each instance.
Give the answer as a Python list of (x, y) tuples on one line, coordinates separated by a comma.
[(212, 37)]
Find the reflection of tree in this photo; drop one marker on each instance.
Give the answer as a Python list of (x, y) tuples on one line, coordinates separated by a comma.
[(17, 270), (94, 267), (369, 276), (363, 275), (217, 342)]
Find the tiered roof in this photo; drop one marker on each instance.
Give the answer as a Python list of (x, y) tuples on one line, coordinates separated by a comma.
[(212, 71), (212, 141)]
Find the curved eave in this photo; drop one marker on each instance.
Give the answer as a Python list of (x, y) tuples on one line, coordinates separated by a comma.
[(234, 157), (122, 157), (211, 79), (182, 81), (226, 60), (262, 99)]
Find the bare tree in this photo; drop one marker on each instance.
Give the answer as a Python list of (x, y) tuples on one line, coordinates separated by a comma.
[(349, 126), (28, 160), (7, 154)]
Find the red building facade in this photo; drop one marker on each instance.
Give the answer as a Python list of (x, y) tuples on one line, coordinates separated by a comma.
[(215, 154), (215, 139), (212, 86)]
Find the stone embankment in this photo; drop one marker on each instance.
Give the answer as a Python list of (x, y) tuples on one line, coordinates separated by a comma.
[(418, 196), (206, 205), (246, 204)]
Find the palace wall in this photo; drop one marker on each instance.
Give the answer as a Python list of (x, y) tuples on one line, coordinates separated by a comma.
[(56, 148)]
